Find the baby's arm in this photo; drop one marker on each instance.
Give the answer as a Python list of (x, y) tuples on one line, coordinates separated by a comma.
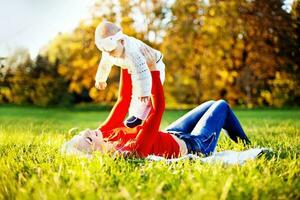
[(102, 73), (141, 76)]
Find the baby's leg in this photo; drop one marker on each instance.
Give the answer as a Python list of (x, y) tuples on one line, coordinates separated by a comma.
[(140, 109)]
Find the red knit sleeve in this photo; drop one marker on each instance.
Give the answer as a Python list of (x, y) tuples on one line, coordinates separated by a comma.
[(148, 134), (120, 109)]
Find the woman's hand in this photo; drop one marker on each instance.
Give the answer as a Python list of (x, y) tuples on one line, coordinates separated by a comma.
[(150, 57)]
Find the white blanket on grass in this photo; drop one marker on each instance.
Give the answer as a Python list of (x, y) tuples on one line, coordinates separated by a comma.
[(224, 157)]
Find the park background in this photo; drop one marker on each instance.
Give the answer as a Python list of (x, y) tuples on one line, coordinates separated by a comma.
[(246, 52)]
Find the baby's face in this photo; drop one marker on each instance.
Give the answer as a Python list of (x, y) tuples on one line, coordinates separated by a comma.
[(118, 52)]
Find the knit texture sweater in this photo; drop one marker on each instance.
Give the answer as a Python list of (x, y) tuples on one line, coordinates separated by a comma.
[(146, 139), (134, 61)]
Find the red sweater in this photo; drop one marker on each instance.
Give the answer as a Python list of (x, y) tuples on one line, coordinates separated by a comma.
[(145, 139)]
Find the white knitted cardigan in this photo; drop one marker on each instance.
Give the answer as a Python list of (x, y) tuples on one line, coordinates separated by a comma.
[(134, 61)]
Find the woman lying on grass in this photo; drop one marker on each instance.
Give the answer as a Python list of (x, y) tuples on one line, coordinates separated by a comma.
[(196, 132)]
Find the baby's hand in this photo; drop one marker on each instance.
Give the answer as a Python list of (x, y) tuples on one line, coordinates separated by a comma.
[(144, 99), (100, 85)]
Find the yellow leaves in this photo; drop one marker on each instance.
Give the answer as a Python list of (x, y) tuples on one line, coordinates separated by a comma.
[(87, 81), (210, 29), (77, 56), (283, 85), (207, 46), (226, 44), (212, 12), (219, 52), (234, 74), (93, 93), (127, 19), (185, 80), (108, 95), (57, 48), (76, 46), (79, 63), (266, 96), (5, 94), (192, 9), (237, 62), (220, 22), (94, 61), (74, 87), (63, 70), (236, 53), (227, 76), (283, 80)]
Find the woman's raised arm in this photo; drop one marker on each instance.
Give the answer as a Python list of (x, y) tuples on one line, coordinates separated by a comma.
[(120, 109), (148, 134)]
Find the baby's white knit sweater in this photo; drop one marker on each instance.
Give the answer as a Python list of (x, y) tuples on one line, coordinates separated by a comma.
[(134, 61)]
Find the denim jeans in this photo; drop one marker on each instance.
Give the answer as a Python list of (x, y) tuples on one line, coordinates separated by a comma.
[(200, 128)]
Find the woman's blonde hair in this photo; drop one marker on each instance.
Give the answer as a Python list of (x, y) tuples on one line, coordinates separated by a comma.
[(73, 147)]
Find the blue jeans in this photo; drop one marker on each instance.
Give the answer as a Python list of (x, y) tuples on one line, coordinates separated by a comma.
[(200, 128)]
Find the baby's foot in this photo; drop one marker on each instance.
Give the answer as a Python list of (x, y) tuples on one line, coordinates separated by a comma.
[(133, 121)]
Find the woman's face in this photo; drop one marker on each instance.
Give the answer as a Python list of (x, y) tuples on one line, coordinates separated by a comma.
[(91, 140)]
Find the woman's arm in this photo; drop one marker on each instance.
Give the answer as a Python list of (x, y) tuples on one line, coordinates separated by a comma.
[(148, 134), (120, 109)]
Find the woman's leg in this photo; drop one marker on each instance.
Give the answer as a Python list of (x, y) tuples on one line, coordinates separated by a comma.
[(206, 133), (234, 129), (187, 122)]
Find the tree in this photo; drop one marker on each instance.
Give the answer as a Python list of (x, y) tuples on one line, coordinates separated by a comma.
[(237, 50)]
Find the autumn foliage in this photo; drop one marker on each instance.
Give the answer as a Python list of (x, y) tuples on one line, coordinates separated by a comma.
[(246, 52)]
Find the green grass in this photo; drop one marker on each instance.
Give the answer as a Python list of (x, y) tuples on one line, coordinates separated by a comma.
[(31, 166)]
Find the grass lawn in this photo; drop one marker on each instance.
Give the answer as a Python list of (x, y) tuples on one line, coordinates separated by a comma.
[(31, 166)]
